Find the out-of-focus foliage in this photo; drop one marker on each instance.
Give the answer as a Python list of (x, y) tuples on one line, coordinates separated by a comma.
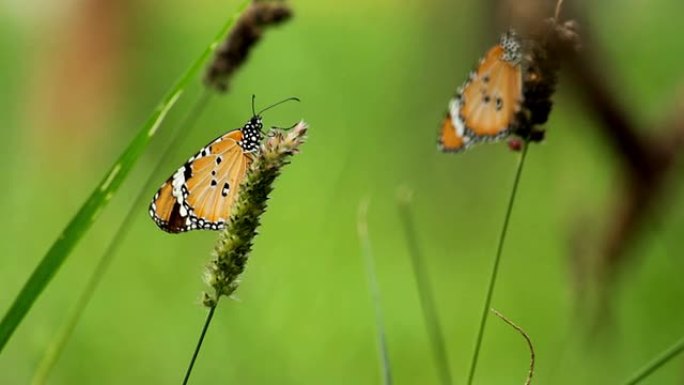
[(374, 79)]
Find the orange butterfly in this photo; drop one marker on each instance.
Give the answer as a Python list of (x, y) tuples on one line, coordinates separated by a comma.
[(485, 107), (200, 194)]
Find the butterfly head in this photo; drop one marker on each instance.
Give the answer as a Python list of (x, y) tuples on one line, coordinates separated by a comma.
[(251, 134), (255, 122), (511, 46), (251, 131)]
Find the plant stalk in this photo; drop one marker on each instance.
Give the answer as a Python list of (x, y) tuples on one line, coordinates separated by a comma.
[(495, 267), (657, 362), (367, 249), (89, 212), (56, 347), (212, 309), (427, 300)]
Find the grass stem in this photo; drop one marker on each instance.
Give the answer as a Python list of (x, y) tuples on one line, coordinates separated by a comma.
[(210, 315), (495, 267), (89, 212), (57, 346), (427, 300), (522, 332), (367, 249), (657, 362)]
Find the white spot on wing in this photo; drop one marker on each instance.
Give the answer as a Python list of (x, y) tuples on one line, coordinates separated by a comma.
[(177, 184), (454, 112)]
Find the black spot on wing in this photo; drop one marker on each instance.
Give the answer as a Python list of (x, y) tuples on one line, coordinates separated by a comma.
[(187, 171), (176, 222)]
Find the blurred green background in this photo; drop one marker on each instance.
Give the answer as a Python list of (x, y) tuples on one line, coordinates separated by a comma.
[(374, 77)]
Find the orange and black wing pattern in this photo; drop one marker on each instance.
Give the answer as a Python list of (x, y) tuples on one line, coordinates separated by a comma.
[(486, 106), (201, 193), (452, 134)]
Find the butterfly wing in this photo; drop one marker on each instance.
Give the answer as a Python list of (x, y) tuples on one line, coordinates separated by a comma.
[(487, 105), (492, 97), (215, 181), (165, 209), (451, 135), (200, 195)]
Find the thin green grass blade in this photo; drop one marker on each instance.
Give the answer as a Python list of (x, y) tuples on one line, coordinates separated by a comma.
[(56, 347), (367, 248), (495, 265), (99, 198), (427, 300), (657, 362)]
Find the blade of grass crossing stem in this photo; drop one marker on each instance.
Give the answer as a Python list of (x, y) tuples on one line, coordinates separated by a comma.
[(427, 301), (520, 330), (90, 210), (659, 361), (367, 249), (56, 347), (495, 267)]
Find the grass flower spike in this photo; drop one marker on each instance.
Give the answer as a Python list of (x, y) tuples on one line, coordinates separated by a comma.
[(247, 32), (235, 242)]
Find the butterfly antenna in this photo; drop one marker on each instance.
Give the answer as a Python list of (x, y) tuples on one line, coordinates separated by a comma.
[(278, 103), (559, 4), (284, 128), (253, 97)]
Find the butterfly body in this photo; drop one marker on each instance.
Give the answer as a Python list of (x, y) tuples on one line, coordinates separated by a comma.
[(485, 107), (200, 194)]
